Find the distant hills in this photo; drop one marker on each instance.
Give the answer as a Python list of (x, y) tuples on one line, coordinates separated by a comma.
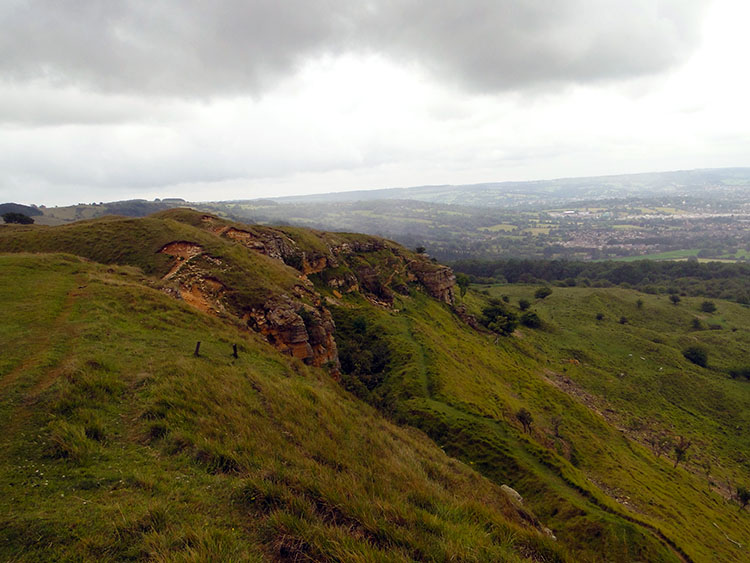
[(702, 213), (545, 192)]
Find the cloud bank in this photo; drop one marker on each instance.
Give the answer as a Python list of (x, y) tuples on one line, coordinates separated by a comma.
[(194, 48)]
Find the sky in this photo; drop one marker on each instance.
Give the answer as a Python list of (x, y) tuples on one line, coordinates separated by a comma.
[(241, 99)]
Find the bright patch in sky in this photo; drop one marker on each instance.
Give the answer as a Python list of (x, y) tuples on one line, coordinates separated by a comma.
[(369, 95)]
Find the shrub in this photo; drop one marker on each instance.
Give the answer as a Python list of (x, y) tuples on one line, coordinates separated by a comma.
[(696, 354), (524, 304), (600, 316), (498, 319), (708, 307), (740, 372), (531, 319), (542, 292), (743, 496), (674, 298), (525, 418)]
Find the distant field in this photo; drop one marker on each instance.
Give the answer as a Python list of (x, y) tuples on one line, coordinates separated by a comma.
[(505, 227), (671, 255), (684, 255), (537, 230)]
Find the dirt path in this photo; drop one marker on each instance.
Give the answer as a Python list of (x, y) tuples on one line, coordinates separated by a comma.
[(20, 408)]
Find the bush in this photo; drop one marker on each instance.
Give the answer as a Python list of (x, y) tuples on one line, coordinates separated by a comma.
[(600, 316), (696, 354), (531, 319), (524, 304), (708, 307), (740, 372), (525, 418), (674, 298), (498, 319), (543, 292)]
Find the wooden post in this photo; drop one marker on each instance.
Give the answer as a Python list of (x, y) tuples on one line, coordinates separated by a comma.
[(197, 349), (234, 351)]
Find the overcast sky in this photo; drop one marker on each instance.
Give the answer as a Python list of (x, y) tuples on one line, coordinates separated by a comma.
[(229, 99)]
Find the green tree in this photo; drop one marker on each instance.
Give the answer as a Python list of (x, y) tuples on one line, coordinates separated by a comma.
[(639, 303), (18, 218), (498, 318), (462, 280), (675, 299), (524, 304), (531, 319)]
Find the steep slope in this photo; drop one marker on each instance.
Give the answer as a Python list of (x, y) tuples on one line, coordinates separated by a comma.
[(597, 484), (399, 343), (120, 444)]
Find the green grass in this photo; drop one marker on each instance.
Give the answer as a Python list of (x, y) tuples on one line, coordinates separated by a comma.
[(170, 456), (119, 444), (594, 482), (669, 255)]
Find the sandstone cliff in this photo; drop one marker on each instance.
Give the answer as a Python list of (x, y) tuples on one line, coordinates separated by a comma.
[(296, 321)]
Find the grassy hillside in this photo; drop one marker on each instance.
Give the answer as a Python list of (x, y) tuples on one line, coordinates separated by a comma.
[(263, 456), (585, 466), (119, 444)]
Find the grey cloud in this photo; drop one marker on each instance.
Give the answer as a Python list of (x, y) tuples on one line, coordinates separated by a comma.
[(36, 105), (198, 48)]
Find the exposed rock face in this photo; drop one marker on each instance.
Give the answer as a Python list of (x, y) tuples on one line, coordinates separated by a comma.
[(274, 245), (193, 285), (512, 494), (298, 323), (299, 330), (469, 319), (439, 280), (371, 282)]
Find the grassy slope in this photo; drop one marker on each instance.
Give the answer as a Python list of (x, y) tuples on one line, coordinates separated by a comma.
[(136, 242), (119, 444), (464, 390)]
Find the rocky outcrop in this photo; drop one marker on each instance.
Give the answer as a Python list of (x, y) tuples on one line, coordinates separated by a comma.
[(438, 280), (298, 330), (297, 323), (274, 245), (512, 494), (468, 318)]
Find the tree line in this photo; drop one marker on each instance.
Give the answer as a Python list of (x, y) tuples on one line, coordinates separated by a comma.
[(711, 279)]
